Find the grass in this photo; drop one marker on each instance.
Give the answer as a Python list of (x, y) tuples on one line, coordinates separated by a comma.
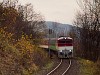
[(87, 67), (49, 65)]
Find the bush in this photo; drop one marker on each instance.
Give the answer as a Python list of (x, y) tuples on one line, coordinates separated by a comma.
[(21, 57)]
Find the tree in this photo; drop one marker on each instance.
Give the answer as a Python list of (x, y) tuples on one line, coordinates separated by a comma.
[(88, 23), (33, 22), (55, 28), (18, 19)]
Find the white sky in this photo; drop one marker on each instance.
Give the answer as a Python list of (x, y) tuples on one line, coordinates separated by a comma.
[(62, 11)]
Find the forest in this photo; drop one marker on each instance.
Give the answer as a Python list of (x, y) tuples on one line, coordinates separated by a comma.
[(21, 30), (87, 31)]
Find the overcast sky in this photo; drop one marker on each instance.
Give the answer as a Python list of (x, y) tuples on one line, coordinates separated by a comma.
[(55, 10)]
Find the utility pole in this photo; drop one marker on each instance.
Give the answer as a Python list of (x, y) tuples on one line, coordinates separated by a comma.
[(50, 31)]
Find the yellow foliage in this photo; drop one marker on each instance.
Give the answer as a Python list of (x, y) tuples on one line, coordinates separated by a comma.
[(24, 45), (22, 53)]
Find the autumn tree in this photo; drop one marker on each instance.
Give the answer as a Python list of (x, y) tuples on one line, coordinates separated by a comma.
[(18, 19), (8, 16), (20, 30), (30, 22)]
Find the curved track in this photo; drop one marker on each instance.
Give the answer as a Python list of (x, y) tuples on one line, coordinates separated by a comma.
[(62, 67)]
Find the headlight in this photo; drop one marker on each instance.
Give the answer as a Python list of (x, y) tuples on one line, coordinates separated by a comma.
[(70, 50), (60, 50)]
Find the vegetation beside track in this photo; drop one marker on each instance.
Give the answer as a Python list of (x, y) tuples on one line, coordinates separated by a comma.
[(88, 67), (20, 57), (21, 31)]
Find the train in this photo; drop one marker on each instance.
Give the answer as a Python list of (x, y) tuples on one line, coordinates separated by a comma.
[(62, 45)]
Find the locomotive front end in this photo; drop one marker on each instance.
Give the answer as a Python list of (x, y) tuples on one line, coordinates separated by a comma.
[(65, 47)]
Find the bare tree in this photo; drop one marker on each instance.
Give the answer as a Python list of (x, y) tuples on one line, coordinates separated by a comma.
[(55, 27), (88, 23)]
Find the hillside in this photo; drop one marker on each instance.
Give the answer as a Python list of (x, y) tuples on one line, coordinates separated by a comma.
[(59, 28)]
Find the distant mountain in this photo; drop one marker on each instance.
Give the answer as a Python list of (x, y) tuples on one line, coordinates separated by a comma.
[(51, 23), (59, 28)]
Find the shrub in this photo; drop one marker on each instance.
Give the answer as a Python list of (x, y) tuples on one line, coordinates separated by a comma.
[(20, 58)]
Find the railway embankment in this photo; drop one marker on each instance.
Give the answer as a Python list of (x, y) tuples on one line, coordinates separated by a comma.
[(79, 66), (88, 67), (54, 61), (84, 67), (20, 57), (73, 70)]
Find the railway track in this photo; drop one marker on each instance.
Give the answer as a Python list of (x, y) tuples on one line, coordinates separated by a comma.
[(62, 67)]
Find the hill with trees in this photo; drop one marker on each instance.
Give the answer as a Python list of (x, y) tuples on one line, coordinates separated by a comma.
[(58, 29)]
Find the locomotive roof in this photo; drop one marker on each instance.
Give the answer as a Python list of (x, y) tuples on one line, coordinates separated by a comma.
[(58, 38), (64, 38)]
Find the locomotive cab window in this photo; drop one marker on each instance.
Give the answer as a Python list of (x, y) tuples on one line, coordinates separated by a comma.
[(63, 41), (68, 41)]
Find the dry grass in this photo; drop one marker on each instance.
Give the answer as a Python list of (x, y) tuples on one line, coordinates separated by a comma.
[(88, 67)]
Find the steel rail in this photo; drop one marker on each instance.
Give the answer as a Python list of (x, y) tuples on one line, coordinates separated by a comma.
[(67, 68), (55, 68), (70, 62)]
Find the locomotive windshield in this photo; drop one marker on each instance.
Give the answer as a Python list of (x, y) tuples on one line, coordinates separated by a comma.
[(62, 41), (65, 42)]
